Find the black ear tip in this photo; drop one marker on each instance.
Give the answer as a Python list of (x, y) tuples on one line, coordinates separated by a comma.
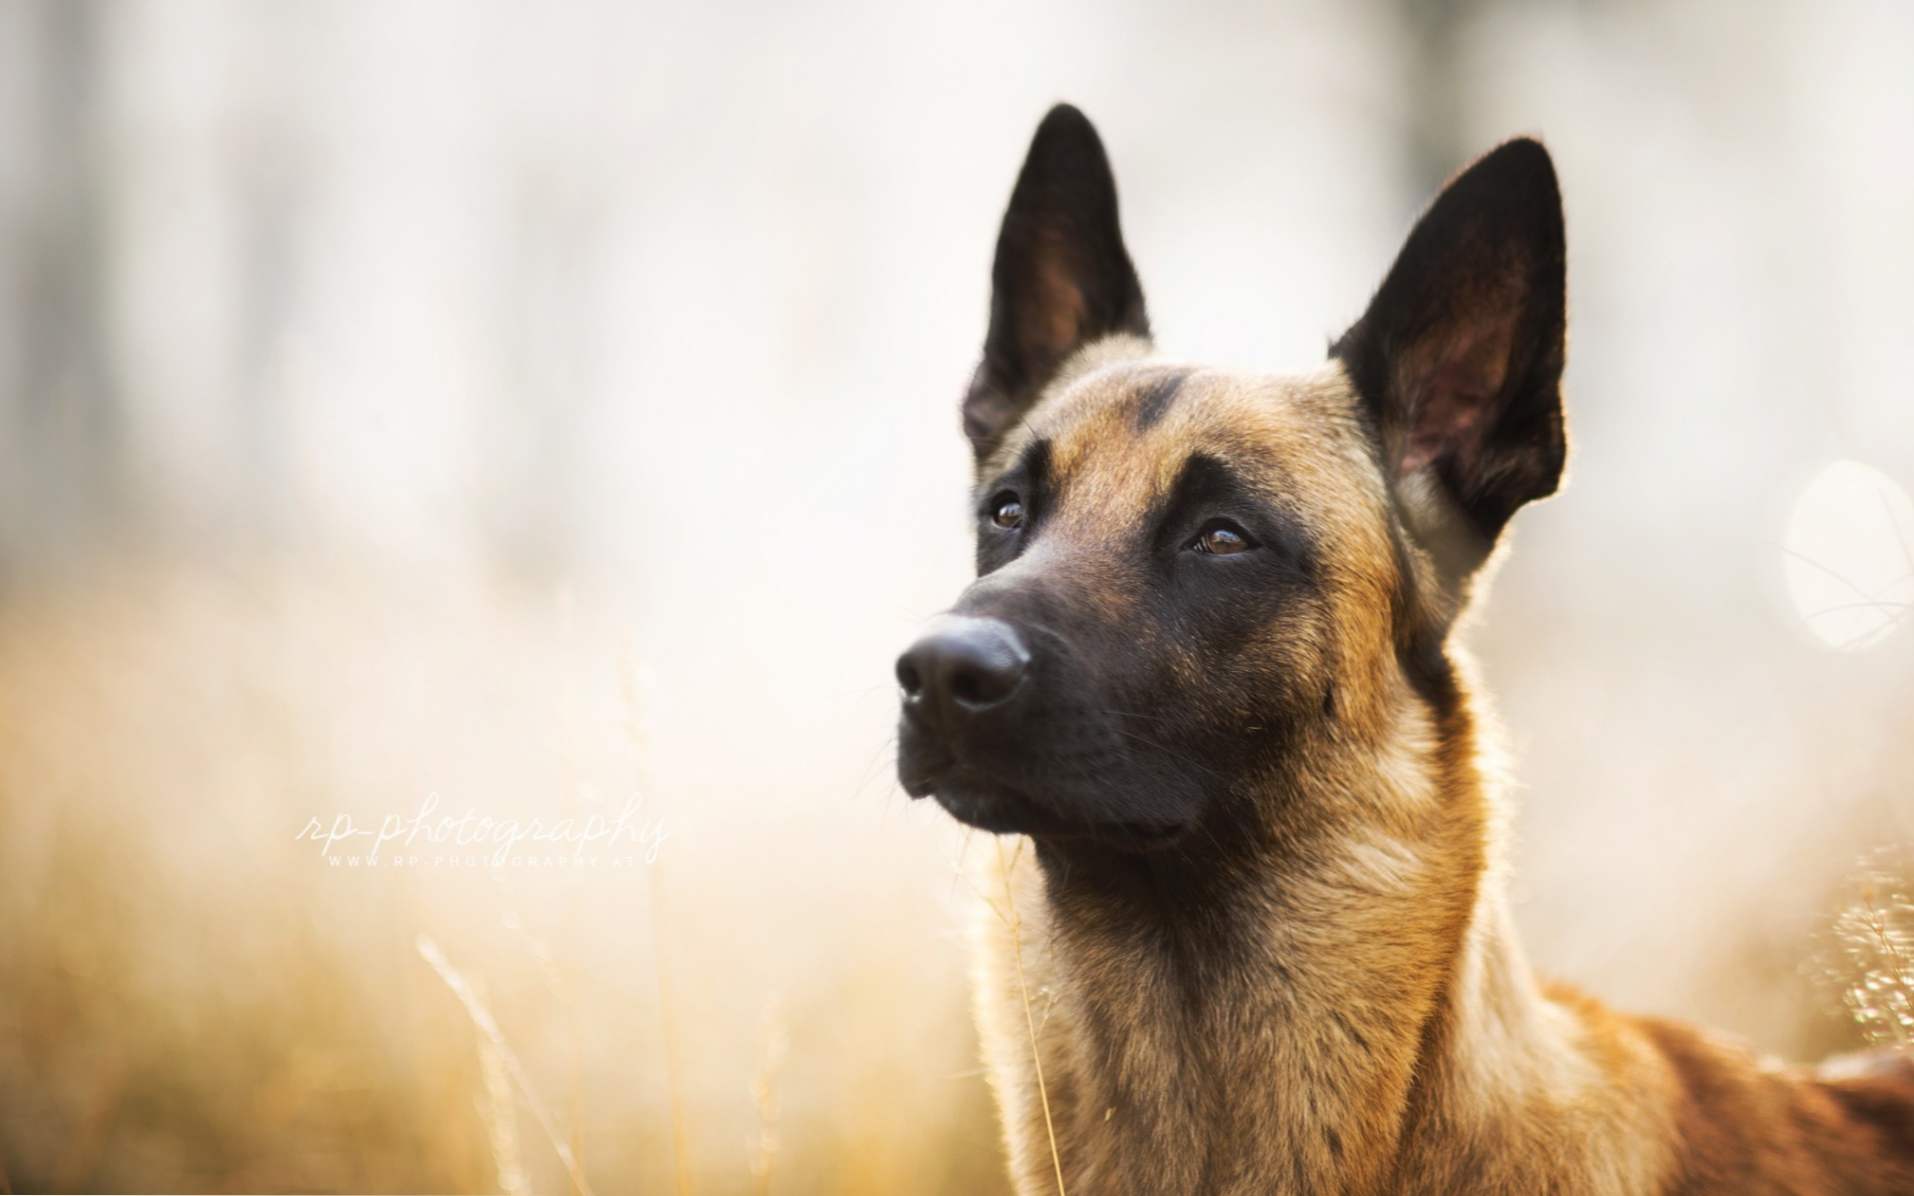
[(1528, 148), (1065, 129), (1066, 151), (1520, 163), (1064, 116)]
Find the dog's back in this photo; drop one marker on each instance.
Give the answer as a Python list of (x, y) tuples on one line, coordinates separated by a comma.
[(1747, 1125)]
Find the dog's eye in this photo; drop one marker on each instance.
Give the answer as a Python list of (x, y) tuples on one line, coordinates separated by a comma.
[(1220, 537), (1007, 512)]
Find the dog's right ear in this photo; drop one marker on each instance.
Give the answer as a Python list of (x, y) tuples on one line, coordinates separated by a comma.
[(1061, 278)]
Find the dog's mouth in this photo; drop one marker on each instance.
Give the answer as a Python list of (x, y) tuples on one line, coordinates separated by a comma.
[(989, 805), (976, 799)]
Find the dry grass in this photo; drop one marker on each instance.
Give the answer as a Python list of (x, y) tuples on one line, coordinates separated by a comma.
[(196, 1002), (1874, 967)]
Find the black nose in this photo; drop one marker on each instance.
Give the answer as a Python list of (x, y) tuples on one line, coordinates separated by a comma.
[(961, 666)]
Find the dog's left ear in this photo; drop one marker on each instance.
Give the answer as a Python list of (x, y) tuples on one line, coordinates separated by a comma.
[(1459, 357), (1061, 278)]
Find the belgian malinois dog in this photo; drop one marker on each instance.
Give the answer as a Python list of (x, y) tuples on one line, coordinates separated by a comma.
[(1256, 939)]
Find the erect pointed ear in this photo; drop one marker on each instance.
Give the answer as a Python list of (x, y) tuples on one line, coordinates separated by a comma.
[(1459, 357), (1061, 279)]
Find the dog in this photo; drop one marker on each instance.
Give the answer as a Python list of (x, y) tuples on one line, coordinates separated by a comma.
[(1252, 935)]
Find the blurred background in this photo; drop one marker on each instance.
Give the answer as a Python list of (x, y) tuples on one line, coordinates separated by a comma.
[(541, 411)]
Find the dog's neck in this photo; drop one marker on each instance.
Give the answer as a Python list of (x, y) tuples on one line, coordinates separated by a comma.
[(1288, 1011)]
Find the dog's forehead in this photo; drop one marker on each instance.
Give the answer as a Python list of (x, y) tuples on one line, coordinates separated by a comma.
[(1122, 434)]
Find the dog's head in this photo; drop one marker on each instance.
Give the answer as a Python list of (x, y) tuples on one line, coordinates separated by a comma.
[(1193, 584)]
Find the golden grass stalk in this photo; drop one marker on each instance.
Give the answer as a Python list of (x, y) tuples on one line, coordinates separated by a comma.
[(505, 1058), (501, 1121), (764, 1093), (674, 1066), (1015, 921)]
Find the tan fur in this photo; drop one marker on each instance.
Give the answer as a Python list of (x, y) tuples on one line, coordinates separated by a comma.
[(1383, 1031)]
